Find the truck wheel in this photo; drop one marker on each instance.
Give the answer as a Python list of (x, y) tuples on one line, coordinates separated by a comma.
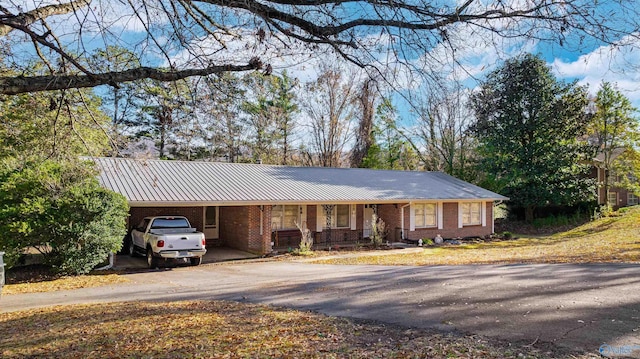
[(125, 244), (132, 249), (152, 261), (195, 261)]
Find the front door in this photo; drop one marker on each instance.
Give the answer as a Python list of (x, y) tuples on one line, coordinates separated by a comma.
[(366, 225), (211, 222)]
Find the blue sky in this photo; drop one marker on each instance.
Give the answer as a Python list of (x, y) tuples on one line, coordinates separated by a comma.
[(589, 63)]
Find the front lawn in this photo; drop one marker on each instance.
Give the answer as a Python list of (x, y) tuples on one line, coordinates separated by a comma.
[(611, 239), (64, 283), (214, 329)]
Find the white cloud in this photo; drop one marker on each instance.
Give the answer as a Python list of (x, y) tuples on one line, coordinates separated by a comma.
[(618, 64)]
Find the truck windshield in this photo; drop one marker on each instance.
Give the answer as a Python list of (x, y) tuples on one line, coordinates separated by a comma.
[(160, 223)]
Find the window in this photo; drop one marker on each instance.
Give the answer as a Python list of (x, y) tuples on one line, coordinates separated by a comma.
[(142, 226), (424, 215), (613, 198), (340, 216), (170, 222), (284, 217), (210, 217), (471, 213), (632, 199)]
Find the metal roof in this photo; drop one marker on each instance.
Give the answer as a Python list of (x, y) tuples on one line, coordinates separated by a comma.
[(180, 183)]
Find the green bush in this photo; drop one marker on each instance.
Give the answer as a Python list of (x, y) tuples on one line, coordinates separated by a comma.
[(60, 209), (602, 211), (427, 241), (559, 220)]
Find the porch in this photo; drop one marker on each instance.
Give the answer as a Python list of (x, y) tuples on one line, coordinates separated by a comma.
[(286, 240)]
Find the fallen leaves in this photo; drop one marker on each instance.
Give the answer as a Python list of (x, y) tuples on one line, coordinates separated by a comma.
[(64, 283), (217, 329)]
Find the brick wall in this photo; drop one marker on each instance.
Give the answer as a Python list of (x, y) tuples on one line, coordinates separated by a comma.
[(450, 225), (193, 214), (234, 227), (390, 214), (257, 242), (240, 228)]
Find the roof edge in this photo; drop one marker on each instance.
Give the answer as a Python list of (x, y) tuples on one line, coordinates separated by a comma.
[(268, 203)]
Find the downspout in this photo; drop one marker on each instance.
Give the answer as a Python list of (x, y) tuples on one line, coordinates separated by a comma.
[(402, 219), (493, 215), (108, 266)]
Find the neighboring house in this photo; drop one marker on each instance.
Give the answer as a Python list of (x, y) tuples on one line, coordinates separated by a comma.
[(256, 207), (617, 196)]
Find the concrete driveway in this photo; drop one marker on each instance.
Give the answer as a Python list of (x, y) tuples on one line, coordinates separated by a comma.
[(213, 255), (580, 307)]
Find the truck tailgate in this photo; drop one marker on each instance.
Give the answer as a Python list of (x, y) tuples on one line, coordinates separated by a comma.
[(182, 241)]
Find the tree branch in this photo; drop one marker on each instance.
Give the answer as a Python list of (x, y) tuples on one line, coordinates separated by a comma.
[(439, 20), (10, 23), (21, 84)]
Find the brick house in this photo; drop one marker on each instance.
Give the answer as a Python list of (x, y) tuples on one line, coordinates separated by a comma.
[(617, 196), (255, 207)]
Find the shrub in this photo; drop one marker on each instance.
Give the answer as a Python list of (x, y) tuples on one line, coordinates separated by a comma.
[(507, 235), (61, 210), (427, 242), (306, 240), (602, 211)]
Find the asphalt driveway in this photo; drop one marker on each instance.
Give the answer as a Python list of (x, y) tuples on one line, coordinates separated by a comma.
[(581, 307)]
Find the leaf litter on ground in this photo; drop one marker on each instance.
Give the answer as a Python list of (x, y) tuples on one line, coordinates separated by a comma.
[(219, 329)]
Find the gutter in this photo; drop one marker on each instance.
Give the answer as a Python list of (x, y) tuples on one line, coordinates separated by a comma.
[(302, 202)]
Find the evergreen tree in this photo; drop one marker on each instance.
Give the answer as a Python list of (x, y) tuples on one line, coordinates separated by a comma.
[(528, 125)]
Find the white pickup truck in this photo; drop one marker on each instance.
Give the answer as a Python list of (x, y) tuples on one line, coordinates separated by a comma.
[(167, 237)]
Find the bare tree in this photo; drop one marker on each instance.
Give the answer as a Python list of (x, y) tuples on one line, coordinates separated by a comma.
[(182, 38), (440, 136), (443, 128), (330, 105), (367, 98)]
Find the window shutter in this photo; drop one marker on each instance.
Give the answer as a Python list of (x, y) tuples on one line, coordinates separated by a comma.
[(412, 219), (459, 214), (439, 215), (352, 209), (483, 213), (320, 221)]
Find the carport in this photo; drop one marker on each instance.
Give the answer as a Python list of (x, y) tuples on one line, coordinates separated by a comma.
[(258, 208)]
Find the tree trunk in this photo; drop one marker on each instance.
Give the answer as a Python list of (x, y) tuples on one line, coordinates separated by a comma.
[(528, 214)]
